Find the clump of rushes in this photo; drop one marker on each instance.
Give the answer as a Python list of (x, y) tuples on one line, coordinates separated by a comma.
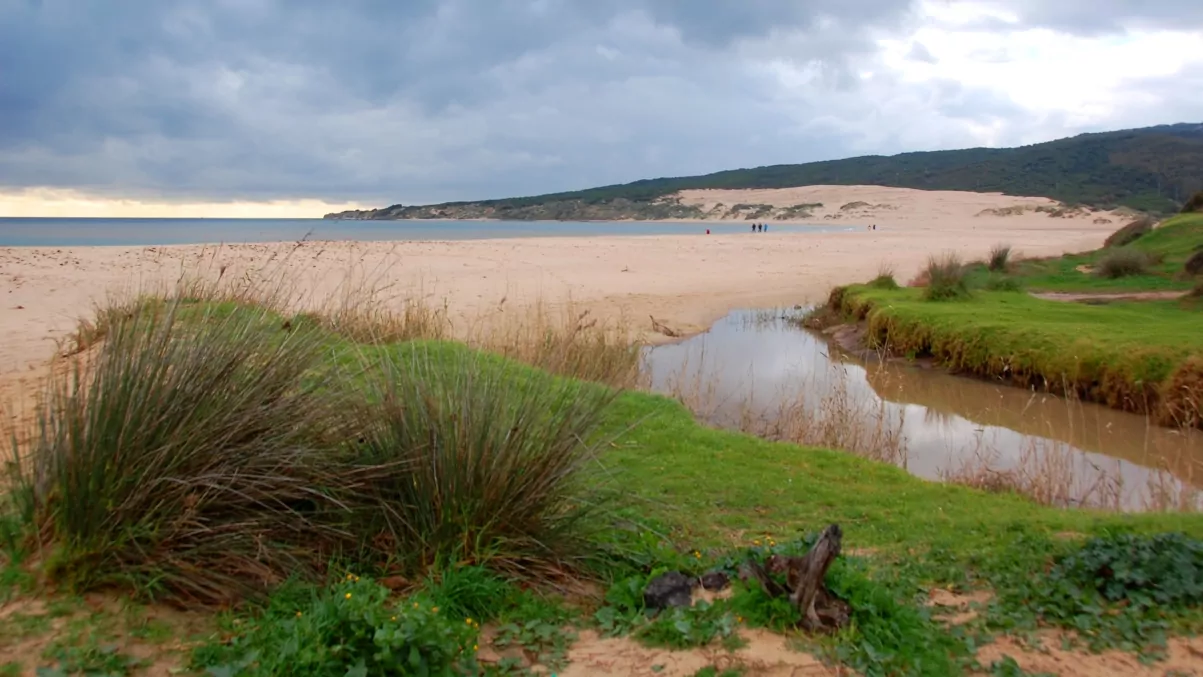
[(945, 278), (480, 461), (1000, 258), (179, 457), (885, 278)]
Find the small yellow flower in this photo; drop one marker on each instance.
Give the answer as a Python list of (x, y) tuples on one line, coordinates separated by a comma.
[(468, 621), (415, 605), (348, 595), (298, 614), (350, 576), (739, 619), (434, 609), (394, 618), (756, 542), (475, 648)]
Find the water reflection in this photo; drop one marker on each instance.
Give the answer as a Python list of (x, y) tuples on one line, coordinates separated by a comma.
[(759, 366)]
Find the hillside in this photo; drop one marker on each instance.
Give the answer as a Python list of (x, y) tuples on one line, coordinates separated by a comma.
[(1149, 169)]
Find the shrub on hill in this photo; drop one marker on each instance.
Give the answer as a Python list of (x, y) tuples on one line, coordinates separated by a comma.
[(1129, 233), (1123, 262), (1194, 265), (1194, 204)]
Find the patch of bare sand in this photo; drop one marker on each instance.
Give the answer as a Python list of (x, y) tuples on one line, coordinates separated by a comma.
[(108, 620), (1185, 658), (765, 655), (957, 608)]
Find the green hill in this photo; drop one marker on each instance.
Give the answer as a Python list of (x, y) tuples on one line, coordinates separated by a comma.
[(1150, 169)]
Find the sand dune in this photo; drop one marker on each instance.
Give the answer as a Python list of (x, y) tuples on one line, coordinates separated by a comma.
[(687, 280)]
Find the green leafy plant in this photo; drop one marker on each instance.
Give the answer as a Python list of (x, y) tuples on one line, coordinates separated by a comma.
[(685, 627), (1114, 591), (349, 628)]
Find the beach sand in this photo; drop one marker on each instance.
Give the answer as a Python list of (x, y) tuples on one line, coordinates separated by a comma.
[(685, 281)]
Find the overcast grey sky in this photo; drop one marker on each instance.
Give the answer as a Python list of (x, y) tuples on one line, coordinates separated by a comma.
[(383, 101)]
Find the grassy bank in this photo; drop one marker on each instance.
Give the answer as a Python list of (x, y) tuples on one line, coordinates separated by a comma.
[(365, 508), (1143, 356), (1159, 255)]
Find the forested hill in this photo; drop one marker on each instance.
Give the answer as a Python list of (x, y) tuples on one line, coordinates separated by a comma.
[(1150, 169)]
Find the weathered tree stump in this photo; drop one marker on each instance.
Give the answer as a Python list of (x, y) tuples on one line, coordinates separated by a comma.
[(818, 608)]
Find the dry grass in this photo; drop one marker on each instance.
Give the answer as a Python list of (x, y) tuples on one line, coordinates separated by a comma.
[(1123, 262), (564, 340), (1000, 258)]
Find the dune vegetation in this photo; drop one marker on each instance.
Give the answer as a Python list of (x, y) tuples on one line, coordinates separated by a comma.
[(216, 483)]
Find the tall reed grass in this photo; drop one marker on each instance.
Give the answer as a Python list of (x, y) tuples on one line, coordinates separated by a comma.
[(183, 457), (488, 460)]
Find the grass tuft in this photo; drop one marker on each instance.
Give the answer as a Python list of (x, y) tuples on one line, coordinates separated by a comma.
[(1000, 257), (1123, 262), (885, 278), (945, 278), (1194, 204), (169, 458), (479, 461)]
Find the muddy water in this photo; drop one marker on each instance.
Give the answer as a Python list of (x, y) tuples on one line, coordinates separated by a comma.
[(753, 366)]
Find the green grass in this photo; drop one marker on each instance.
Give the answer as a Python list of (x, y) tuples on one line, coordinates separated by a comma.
[(1168, 247), (1129, 355)]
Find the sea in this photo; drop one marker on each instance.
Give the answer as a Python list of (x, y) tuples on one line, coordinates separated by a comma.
[(78, 232)]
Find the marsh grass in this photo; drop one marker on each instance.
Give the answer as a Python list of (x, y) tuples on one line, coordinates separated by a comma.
[(945, 277), (1000, 258)]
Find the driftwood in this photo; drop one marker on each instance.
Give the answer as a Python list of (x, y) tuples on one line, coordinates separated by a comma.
[(818, 608), (662, 328)]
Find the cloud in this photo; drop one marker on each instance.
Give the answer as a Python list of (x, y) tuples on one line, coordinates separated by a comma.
[(427, 100)]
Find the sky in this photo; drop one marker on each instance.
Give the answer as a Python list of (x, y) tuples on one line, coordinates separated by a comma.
[(296, 107)]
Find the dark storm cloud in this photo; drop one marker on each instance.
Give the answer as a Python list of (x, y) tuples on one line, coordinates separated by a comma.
[(443, 99)]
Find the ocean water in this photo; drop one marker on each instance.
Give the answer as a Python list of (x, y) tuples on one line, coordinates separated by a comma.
[(74, 232)]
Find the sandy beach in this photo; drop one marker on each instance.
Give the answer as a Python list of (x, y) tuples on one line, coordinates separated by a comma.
[(685, 281)]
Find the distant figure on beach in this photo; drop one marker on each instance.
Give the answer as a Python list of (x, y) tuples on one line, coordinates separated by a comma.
[(764, 227), (753, 227), (707, 231)]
